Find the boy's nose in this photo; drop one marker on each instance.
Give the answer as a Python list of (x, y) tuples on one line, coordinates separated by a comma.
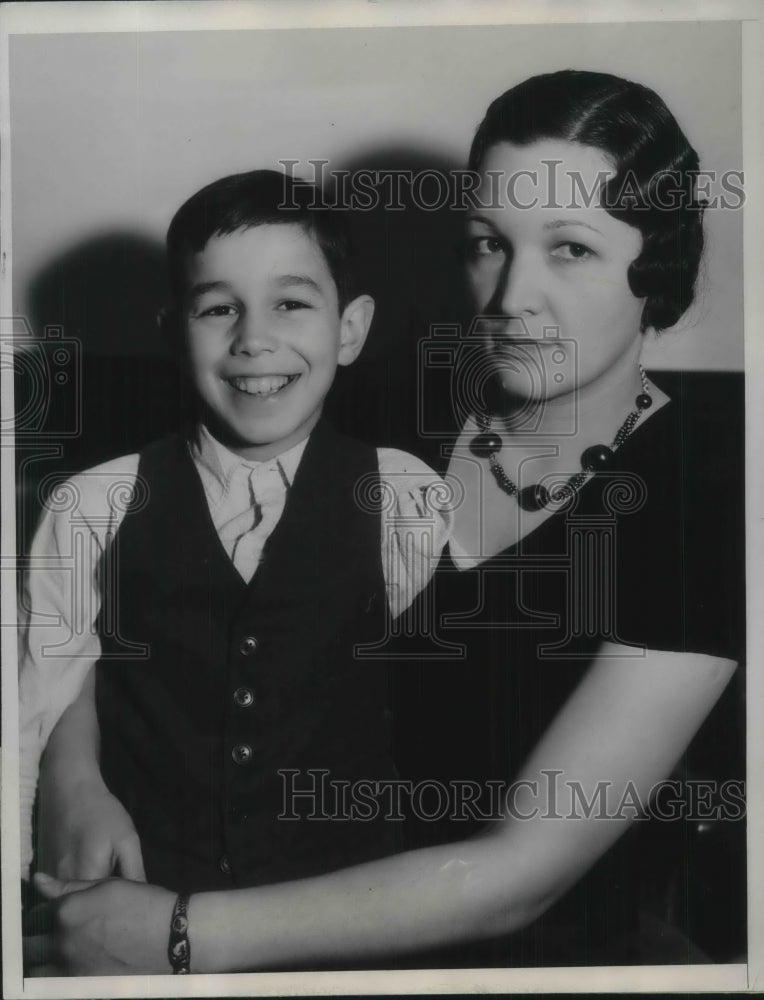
[(519, 291), (252, 335)]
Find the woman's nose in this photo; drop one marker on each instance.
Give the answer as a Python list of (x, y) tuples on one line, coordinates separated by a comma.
[(519, 292), (252, 335)]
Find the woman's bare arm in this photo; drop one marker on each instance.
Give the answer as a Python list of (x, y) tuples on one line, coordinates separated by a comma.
[(626, 725)]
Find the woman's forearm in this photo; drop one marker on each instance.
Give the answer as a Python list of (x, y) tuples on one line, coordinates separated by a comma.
[(413, 901), (624, 728)]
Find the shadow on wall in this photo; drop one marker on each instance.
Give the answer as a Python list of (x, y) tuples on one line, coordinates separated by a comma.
[(408, 260), (98, 382), (106, 292)]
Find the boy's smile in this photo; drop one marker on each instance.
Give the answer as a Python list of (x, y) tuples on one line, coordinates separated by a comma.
[(264, 335), (264, 385)]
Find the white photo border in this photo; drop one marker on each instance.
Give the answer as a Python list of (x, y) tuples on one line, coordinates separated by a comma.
[(91, 17)]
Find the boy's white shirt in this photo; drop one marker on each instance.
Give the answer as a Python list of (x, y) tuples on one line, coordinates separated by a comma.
[(59, 643)]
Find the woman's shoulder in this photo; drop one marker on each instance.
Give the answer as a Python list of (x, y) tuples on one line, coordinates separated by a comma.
[(706, 411), (680, 546), (695, 443)]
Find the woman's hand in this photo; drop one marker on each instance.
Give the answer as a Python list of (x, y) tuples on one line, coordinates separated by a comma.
[(113, 927), (86, 833)]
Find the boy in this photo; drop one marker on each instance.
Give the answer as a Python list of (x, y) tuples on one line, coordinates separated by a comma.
[(229, 592)]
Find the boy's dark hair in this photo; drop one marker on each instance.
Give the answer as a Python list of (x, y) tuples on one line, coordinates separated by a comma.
[(257, 198), (654, 185)]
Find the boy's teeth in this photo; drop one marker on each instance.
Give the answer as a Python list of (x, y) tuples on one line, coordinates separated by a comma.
[(264, 385)]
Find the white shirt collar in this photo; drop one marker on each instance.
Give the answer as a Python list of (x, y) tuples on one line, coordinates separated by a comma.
[(221, 463)]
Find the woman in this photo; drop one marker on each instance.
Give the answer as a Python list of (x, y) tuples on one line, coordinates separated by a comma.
[(585, 650)]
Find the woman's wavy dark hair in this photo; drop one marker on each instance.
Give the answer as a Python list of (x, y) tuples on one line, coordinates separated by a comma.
[(656, 170)]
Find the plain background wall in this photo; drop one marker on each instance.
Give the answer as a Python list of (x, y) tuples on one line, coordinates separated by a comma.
[(111, 132)]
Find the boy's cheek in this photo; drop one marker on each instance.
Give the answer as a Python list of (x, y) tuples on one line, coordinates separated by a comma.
[(200, 351)]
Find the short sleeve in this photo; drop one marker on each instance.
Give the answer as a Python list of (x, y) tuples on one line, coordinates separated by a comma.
[(416, 523), (679, 554)]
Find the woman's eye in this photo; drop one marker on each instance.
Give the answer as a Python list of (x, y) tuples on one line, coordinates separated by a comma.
[(484, 246), (572, 251)]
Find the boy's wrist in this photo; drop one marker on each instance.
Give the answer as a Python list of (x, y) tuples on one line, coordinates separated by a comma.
[(75, 770), (75, 778)]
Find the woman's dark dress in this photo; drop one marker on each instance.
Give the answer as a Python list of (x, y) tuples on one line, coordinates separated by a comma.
[(649, 555)]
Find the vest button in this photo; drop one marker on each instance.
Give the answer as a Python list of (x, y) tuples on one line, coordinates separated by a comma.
[(248, 645), (244, 697), (224, 864), (242, 753)]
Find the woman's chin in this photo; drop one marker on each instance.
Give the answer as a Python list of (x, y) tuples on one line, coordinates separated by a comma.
[(509, 395)]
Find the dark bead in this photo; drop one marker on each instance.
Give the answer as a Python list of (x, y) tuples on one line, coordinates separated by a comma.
[(485, 444), (644, 401), (596, 457), (533, 497)]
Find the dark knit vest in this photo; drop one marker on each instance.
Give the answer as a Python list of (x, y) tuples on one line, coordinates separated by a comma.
[(217, 699)]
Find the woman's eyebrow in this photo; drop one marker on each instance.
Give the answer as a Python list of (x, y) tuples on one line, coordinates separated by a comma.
[(480, 218), (559, 223)]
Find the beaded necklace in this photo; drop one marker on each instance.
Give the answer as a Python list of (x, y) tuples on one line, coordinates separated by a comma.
[(595, 458)]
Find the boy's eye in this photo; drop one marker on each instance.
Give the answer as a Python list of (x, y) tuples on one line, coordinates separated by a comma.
[(219, 310), (572, 251), (289, 305), (484, 246)]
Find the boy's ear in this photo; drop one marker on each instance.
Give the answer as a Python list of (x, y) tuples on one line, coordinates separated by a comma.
[(354, 326)]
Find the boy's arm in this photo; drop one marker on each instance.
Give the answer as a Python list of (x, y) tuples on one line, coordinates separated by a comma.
[(59, 644), (84, 831)]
